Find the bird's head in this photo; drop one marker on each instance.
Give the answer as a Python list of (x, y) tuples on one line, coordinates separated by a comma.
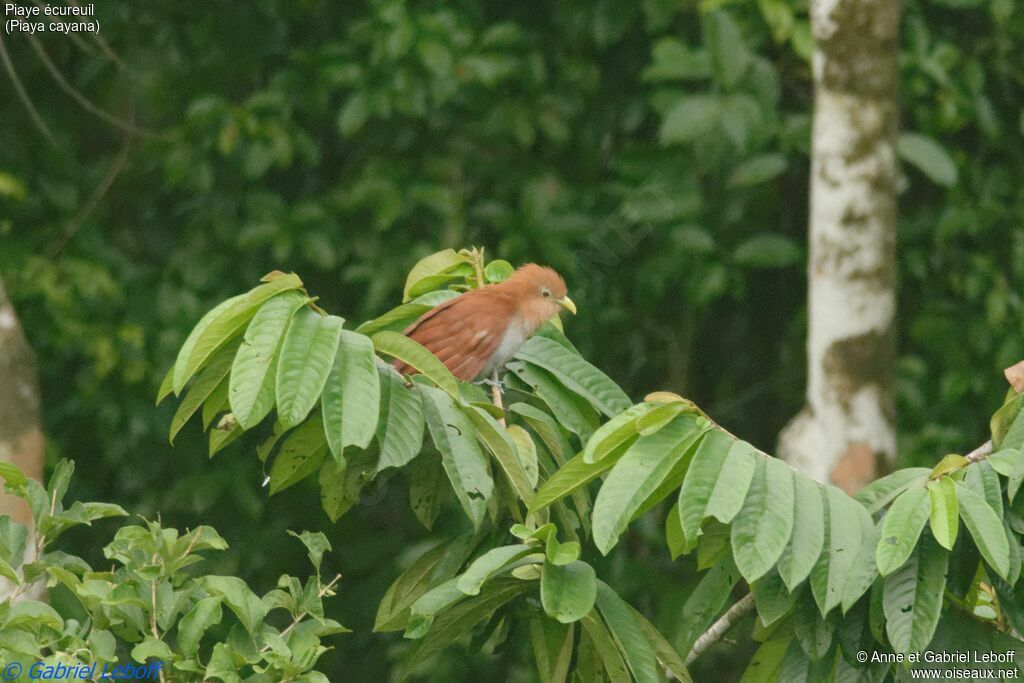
[(540, 293)]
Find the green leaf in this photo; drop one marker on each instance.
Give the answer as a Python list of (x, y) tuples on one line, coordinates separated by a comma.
[(808, 538), (614, 432), (767, 251), (655, 419), (428, 487), (334, 494), (576, 374), (307, 354), (498, 271), (400, 317), (453, 623), (568, 591), (901, 528), (222, 323), (242, 601), (628, 635), (706, 601), (984, 481), (764, 525), (693, 117), (945, 511), (12, 475), (1009, 462), (352, 394), (571, 410), (353, 115), (490, 564), (300, 456), (986, 529), (316, 545), (570, 477), (552, 649), (526, 453), (560, 553), (881, 492), (152, 648), (463, 460), (636, 476), (929, 157), (767, 660), (758, 170), (949, 464), (205, 613), (254, 370), (811, 630), (429, 570), (606, 649), (676, 540), (663, 650), (730, 57), (425, 608), (772, 599), (435, 264), (503, 448), (864, 569), (400, 424), (412, 353), (843, 540), (546, 428), (716, 482), (209, 378), (913, 597)]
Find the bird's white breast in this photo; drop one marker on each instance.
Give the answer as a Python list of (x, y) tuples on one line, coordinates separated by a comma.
[(510, 342)]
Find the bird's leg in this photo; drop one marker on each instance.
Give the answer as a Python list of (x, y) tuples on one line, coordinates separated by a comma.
[(496, 391), (492, 382)]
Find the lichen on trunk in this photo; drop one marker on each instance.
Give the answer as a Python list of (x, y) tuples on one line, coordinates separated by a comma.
[(847, 423)]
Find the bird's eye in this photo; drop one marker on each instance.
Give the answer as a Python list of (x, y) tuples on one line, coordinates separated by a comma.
[(545, 292)]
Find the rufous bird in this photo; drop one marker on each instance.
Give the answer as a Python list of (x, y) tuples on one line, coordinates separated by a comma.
[(477, 332)]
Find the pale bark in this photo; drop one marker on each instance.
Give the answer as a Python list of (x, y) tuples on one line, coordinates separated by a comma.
[(21, 435), (847, 423)]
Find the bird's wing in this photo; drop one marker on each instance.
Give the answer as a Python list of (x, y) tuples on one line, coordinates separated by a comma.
[(464, 332)]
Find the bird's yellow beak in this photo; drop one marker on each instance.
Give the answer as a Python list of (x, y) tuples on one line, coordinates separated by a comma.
[(566, 303)]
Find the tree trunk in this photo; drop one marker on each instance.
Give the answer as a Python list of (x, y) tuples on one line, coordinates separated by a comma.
[(846, 426), (21, 436)]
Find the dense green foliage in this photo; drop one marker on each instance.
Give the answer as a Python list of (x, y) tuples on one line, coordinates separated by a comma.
[(655, 153), (118, 624), (804, 548)]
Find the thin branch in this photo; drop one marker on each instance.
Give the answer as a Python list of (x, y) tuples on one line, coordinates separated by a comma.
[(980, 453), (81, 99), (72, 35), (109, 51), (303, 614), (113, 171), (742, 608), (26, 101)]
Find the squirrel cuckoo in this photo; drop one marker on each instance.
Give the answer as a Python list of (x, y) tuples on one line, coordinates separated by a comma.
[(475, 333)]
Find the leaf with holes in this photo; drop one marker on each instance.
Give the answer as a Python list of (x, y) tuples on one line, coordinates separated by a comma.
[(901, 528), (463, 460), (567, 592)]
